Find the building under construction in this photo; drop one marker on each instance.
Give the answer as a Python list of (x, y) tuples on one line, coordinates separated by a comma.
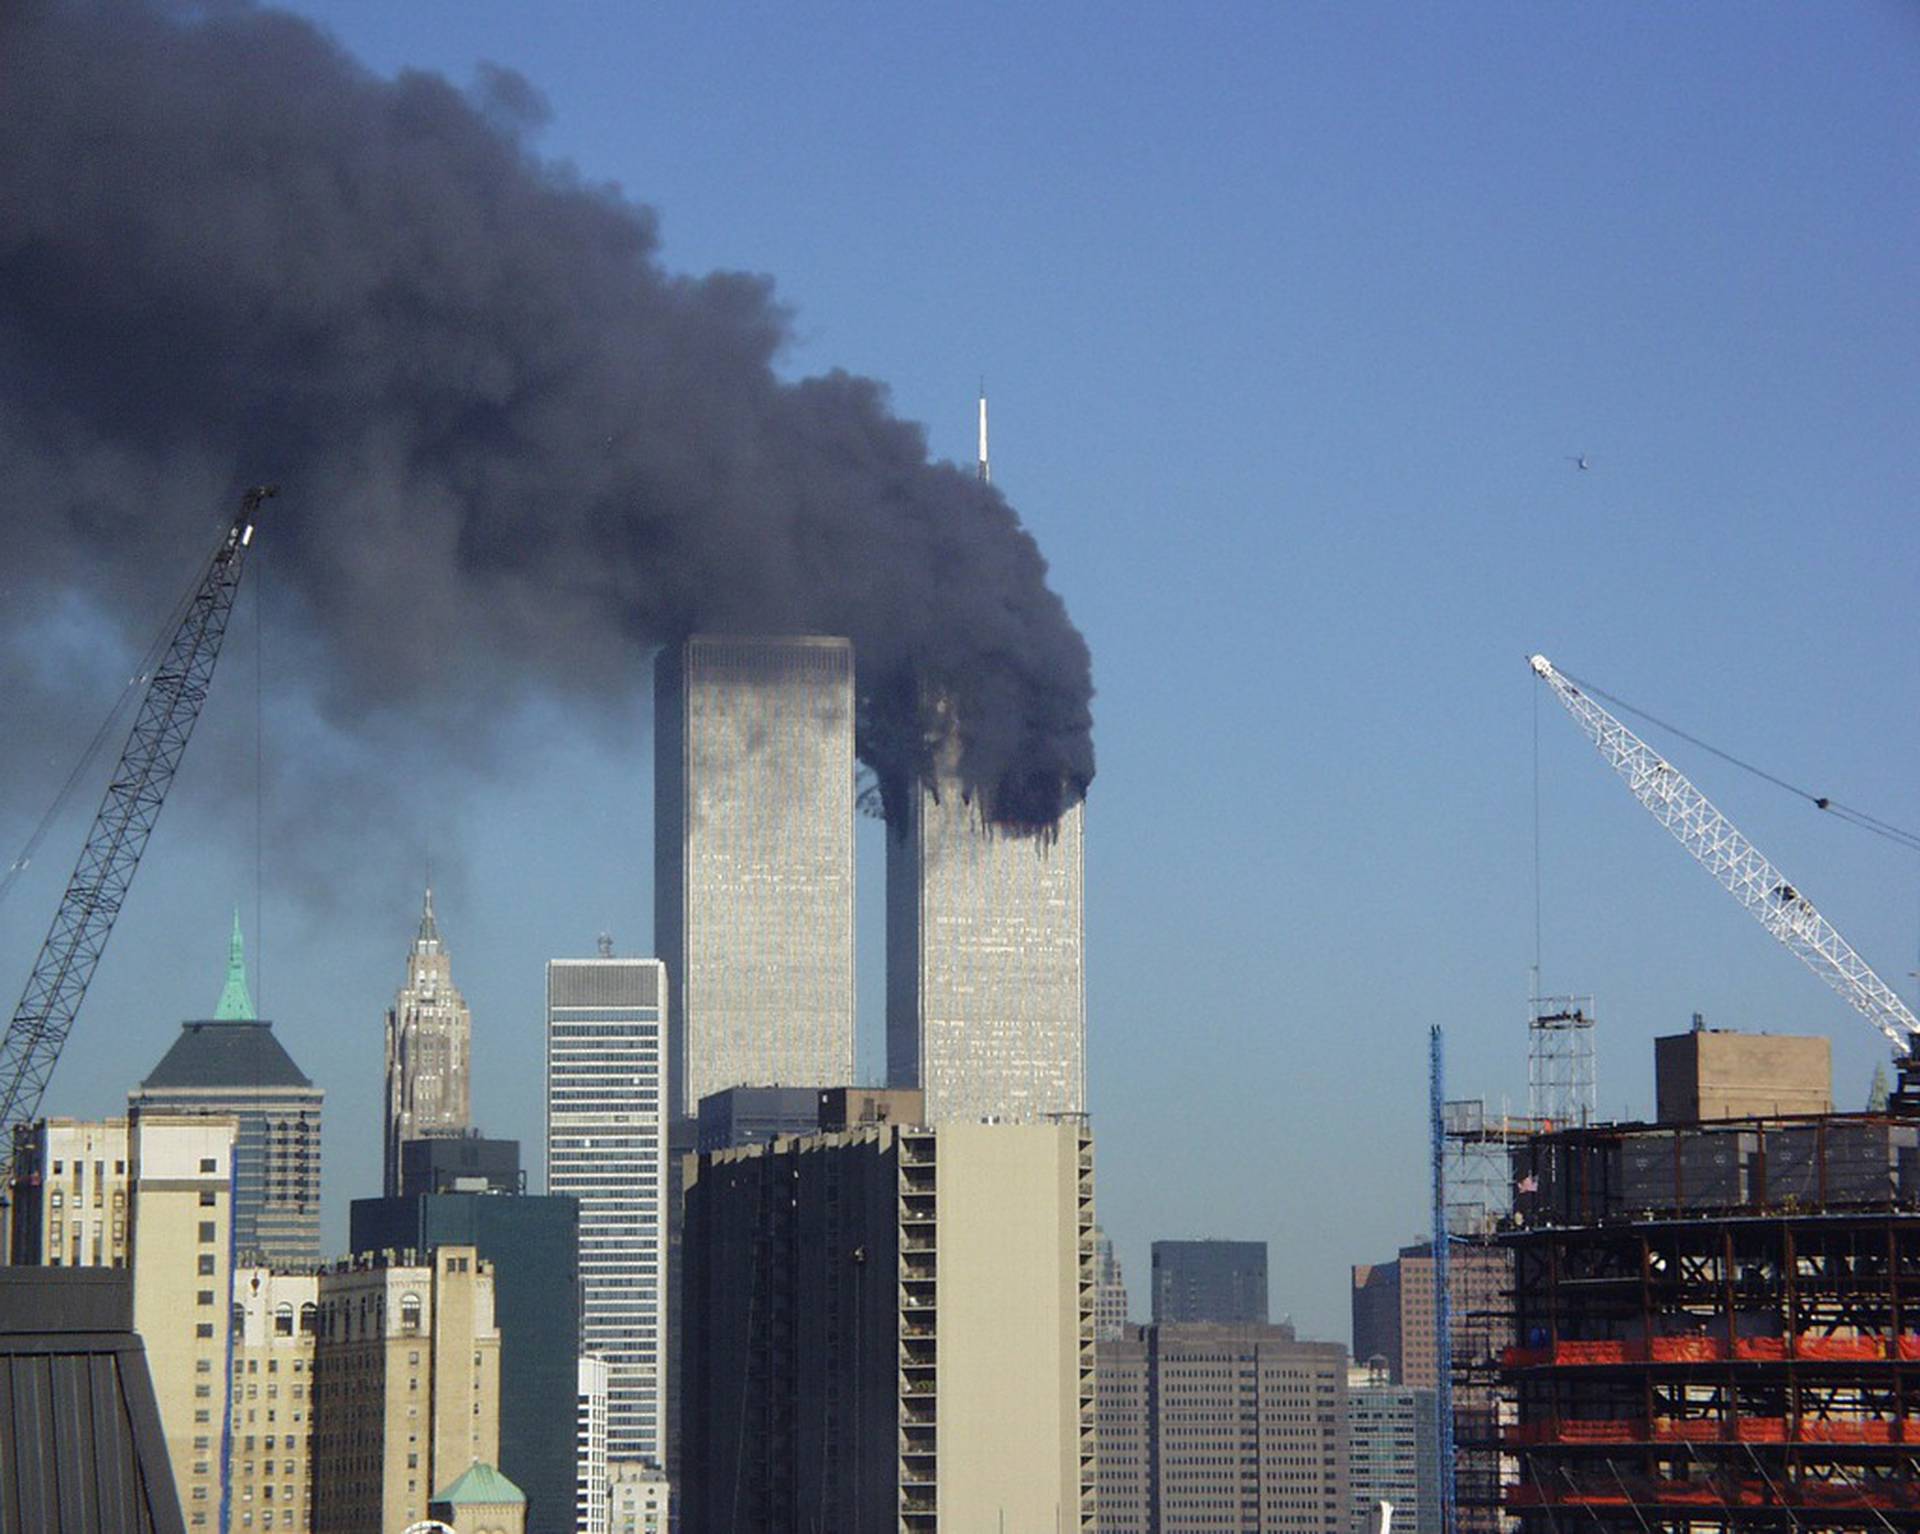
[(1716, 1319)]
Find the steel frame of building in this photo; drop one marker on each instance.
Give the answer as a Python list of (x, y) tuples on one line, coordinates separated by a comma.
[(1739, 1368)]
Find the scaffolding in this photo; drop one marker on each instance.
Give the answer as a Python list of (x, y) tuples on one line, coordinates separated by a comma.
[(1562, 1088)]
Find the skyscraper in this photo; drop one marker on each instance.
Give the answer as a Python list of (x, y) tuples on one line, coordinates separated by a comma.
[(1110, 1292), (233, 1064), (986, 969), (1219, 1282), (607, 1059), (429, 1050), (753, 861)]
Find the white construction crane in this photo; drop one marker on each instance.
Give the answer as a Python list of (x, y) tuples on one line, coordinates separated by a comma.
[(1741, 868)]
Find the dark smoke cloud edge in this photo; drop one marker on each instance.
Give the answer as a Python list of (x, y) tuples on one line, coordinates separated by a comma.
[(516, 448)]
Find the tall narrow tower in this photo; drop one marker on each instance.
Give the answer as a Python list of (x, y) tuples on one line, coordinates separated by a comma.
[(429, 1043), (753, 871), (986, 967)]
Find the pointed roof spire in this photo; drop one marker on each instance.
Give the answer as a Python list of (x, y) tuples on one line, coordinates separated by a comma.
[(236, 1006), (429, 928)]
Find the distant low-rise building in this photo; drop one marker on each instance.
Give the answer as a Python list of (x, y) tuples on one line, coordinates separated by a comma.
[(1235, 1429)]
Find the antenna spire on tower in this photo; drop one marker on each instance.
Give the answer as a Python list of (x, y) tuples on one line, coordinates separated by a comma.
[(986, 473)]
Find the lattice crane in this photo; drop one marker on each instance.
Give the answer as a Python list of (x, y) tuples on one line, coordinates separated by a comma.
[(1740, 867), (82, 925)]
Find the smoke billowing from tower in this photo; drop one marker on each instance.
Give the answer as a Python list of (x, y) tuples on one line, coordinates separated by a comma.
[(506, 433)]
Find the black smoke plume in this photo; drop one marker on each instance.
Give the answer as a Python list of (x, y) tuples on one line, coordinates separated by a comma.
[(506, 434)]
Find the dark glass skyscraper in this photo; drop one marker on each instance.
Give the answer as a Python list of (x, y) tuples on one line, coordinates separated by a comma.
[(1221, 1282)]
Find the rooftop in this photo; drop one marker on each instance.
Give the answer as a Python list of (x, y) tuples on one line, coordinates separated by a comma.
[(240, 1053), (481, 1483)]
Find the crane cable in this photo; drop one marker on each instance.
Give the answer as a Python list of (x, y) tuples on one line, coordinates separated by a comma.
[(1871, 824)]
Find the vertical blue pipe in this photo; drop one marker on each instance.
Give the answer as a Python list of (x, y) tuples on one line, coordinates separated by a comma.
[(1442, 1289)]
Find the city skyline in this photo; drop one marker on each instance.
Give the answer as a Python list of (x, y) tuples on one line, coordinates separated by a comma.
[(1285, 385)]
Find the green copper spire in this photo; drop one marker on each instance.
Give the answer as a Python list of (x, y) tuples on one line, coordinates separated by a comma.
[(236, 1006)]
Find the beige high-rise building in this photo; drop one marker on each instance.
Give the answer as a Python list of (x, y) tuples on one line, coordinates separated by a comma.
[(71, 1194), (181, 1167), (1224, 1429), (270, 1421), (429, 1044), (406, 1386), (153, 1193), (891, 1328)]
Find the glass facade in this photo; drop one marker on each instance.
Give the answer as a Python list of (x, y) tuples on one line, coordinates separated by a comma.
[(986, 966), (753, 847), (607, 1147)]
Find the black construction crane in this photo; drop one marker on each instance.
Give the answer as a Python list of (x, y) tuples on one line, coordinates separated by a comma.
[(100, 880)]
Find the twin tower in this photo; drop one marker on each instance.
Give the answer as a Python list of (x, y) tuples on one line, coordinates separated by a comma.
[(754, 902)]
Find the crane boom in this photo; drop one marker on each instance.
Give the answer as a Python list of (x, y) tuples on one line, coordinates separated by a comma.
[(84, 921), (1742, 870)]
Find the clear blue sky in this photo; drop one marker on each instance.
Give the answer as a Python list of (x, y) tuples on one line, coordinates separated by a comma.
[(1292, 317)]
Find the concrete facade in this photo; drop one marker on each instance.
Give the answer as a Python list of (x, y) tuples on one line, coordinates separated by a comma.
[(182, 1169), (1713, 1073), (71, 1195), (639, 1499), (270, 1458), (406, 1386), (892, 1327), (1224, 1429)]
